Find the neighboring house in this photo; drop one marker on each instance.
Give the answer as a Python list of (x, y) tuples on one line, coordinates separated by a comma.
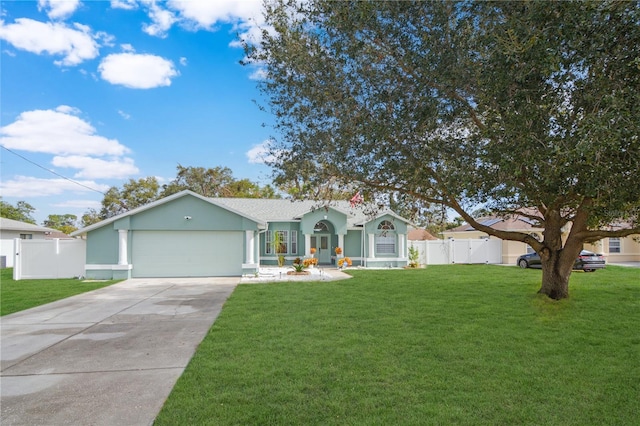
[(616, 250), (625, 249), (510, 249), (11, 229), (187, 234), (417, 234)]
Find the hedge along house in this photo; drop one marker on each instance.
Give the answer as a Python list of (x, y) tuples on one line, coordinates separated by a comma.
[(188, 235)]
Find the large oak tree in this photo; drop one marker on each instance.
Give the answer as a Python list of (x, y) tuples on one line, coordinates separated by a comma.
[(523, 107)]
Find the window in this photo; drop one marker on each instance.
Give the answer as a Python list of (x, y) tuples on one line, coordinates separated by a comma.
[(386, 238), (26, 236), (268, 246), (284, 242), (321, 227), (294, 242), (614, 245)]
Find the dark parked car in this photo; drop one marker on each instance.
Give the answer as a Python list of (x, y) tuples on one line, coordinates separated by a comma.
[(587, 261)]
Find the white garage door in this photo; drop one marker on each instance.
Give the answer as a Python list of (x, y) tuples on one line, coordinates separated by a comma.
[(186, 253)]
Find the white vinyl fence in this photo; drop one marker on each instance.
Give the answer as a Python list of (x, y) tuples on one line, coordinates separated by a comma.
[(442, 252), (38, 259)]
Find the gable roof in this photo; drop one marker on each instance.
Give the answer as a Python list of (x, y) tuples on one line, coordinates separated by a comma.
[(511, 223), (417, 234), (283, 210), (164, 201), (16, 225)]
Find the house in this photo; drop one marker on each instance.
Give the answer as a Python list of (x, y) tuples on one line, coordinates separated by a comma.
[(616, 250), (11, 229), (417, 234), (625, 249), (187, 234), (510, 249)]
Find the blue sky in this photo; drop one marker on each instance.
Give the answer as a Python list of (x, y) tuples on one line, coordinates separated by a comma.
[(102, 92)]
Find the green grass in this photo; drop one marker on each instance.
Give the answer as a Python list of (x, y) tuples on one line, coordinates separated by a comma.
[(16, 296), (454, 344)]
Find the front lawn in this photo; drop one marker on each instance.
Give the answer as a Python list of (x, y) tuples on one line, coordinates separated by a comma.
[(452, 344), (24, 294)]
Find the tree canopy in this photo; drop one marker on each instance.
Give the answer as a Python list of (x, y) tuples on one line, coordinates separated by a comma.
[(208, 182), (22, 211), (523, 107), (62, 222), (215, 182)]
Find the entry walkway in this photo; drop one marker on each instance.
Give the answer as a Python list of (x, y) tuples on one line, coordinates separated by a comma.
[(107, 357)]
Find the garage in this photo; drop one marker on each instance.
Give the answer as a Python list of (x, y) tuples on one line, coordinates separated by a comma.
[(186, 253)]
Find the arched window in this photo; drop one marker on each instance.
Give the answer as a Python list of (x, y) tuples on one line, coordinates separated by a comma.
[(321, 227), (386, 238)]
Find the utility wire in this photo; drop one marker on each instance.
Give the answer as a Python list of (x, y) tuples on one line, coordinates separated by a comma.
[(51, 171)]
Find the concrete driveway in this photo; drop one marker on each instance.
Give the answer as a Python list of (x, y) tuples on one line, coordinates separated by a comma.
[(107, 357)]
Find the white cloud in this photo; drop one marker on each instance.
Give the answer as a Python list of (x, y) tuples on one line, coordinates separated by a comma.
[(205, 14), (66, 109), (246, 15), (127, 48), (259, 74), (124, 115), (79, 204), (58, 131), (76, 45), (183, 61), (162, 20), (261, 153), (124, 4), (137, 71), (96, 168), (27, 186), (58, 9)]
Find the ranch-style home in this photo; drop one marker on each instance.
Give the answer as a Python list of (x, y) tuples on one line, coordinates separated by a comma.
[(625, 249), (12, 229), (188, 235)]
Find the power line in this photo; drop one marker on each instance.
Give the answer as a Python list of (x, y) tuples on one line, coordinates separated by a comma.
[(51, 171)]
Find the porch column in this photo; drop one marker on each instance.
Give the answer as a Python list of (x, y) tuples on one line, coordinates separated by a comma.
[(122, 246), (307, 245), (250, 247), (372, 246), (341, 243), (401, 249)]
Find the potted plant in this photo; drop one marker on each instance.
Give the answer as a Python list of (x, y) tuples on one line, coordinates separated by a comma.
[(299, 267), (343, 263), (310, 262)]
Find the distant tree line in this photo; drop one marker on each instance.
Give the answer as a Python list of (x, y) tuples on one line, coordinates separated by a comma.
[(209, 182)]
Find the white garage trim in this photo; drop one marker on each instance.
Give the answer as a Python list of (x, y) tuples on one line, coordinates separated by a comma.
[(187, 253)]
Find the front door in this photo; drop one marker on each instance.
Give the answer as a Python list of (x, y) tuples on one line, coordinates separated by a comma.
[(323, 248)]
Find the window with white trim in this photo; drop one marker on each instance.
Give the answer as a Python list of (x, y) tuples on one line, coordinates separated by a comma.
[(321, 227), (294, 242), (386, 238), (284, 242), (268, 245), (614, 245), (26, 236)]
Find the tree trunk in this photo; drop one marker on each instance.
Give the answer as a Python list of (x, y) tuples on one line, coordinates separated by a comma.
[(557, 261), (555, 279)]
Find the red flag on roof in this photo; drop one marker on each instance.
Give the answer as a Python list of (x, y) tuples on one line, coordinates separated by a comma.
[(356, 199)]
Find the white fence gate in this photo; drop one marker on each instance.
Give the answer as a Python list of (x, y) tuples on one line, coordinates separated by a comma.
[(442, 252), (39, 259)]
